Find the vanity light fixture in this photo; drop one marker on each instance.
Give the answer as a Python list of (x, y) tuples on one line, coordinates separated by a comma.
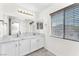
[(25, 12)]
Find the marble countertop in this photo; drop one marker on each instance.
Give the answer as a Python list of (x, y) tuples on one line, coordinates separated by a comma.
[(21, 37), (5, 40)]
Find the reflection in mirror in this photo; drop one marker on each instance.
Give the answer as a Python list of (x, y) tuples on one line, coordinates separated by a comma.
[(5, 29), (13, 25), (1, 28), (15, 28)]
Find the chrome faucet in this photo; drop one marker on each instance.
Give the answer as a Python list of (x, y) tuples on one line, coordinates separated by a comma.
[(18, 34)]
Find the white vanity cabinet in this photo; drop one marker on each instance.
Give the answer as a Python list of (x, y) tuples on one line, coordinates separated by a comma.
[(9, 48), (34, 44), (37, 43), (21, 46), (40, 42), (30, 44), (24, 47), (0, 50)]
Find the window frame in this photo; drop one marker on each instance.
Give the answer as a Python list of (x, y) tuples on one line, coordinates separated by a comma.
[(63, 22)]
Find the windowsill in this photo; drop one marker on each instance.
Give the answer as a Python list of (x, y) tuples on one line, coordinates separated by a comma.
[(64, 38)]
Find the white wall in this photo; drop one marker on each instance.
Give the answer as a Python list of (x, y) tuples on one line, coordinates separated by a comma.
[(1, 11), (56, 45), (45, 17), (12, 10), (61, 47)]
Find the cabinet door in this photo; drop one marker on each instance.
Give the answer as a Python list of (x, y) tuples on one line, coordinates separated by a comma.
[(0, 50), (40, 42), (24, 46), (9, 49), (34, 44)]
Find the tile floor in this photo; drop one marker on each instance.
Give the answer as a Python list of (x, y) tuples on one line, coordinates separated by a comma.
[(41, 52)]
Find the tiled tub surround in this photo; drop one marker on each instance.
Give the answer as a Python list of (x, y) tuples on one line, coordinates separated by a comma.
[(22, 45)]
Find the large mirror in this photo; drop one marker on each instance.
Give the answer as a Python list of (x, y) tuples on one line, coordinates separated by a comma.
[(1, 28), (14, 25)]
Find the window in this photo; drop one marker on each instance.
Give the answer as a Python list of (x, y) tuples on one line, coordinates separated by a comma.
[(39, 25), (72, 23), (65, 23), (57, 24)]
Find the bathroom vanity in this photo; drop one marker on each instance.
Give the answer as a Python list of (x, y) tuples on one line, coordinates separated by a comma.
[(22, 45)]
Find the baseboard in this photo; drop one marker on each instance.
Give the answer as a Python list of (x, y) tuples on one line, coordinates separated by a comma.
[(50, 51)]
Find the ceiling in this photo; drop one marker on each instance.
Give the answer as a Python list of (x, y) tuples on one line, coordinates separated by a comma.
[(37, 7), (41, 6)]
